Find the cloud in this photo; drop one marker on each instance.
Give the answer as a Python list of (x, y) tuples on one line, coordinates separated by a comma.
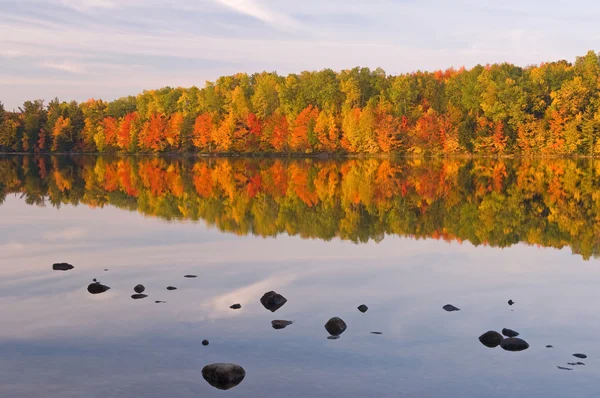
[(65, 66), (68, 234), (255, 10), (85, 5), (10, 53)]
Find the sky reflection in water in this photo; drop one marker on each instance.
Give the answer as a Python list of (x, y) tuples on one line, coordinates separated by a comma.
[(57, 340)]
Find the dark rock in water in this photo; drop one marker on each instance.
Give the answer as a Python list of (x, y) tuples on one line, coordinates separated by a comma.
[(581, 356), (97, 288), (549, 346), (223, 375), (159, 302), (335, 326), (450, 308), (514, 344), (205, 343), (94, 280), (510, 302), (190, 276), (171, 288), (576, 363), (376, 333), (138, 296), (363, 308), (333, 337), (509, 333), (562, 368), (105, 269), (272, 301), (279, 324), (62, 267), (236, 306), (139, 289), (491, 339)]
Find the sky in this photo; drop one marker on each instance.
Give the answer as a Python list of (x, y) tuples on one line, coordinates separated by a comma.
[(79, 49)]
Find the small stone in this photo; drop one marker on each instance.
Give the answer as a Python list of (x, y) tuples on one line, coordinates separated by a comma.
[(272, 301), (138, 296), (491, 339), (236, 306), (97, 288), (580, 356), (159, 302), (576, 363), (563, 368), (279, 324), (62, 267), (139, 289), (510, 302), (333, 337), (450, 308), (376, 333), (549, 346), (335, 326), (190, 276), (514, 344), (205, 343), (509, 333), (223, 376), (363, 308), (105, 269), (171, 288)]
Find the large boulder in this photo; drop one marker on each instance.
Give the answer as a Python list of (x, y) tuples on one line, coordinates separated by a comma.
[(514, 344), (139, 288), (272, 301), (491, 339), (97, 288), (62, 267), (335, 326), (509, 332), (280, 324), (223, 375)]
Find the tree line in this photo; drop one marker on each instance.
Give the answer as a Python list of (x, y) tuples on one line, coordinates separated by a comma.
[(486, 201), (549, 109)]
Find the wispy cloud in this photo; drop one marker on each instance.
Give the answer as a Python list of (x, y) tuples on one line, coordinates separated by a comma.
[(262, 13), (85, 5), (65, 66), (10, 53)]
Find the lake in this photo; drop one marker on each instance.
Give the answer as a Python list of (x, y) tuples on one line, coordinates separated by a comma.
[(405, 237)]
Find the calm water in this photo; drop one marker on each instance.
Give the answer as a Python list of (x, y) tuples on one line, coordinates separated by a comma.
[(403, 237)]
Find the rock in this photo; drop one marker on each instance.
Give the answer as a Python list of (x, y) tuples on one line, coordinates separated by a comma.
[(376, 333), (190, 276), (139, 289), (205, 343), (171, 288), (278, 324), (333, 337), (363, 308), (273, 301), (561, 368), (580, 356), (549, 346), (510, 302), (159, 302), (105, 269), (491, 339), (236, 306), (514, 344), (509, 333), (138, 296), (576, 363), (62, 267), (223, 375), (450, 308), (97, 288), (335, 326)]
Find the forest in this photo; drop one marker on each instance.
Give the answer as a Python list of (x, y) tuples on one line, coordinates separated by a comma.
[(486, 201), (499, 109)]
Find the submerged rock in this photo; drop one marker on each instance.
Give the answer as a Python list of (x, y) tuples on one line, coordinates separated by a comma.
[(514, 344), (581, 356), (450, 308), (363, 308), (376, 333), (223, 375), (139, 289), (491, 339), (236, 306), (333, 337), (190, 276), (510, 302), (159, 302), (272, 301), (279, 324), (205, 343), (576, 363), (105, 269), (97, 288), (138, 296), (549, 346), (509, 332), (563, 368), (335, 326), (62, 267), (171, 288)]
